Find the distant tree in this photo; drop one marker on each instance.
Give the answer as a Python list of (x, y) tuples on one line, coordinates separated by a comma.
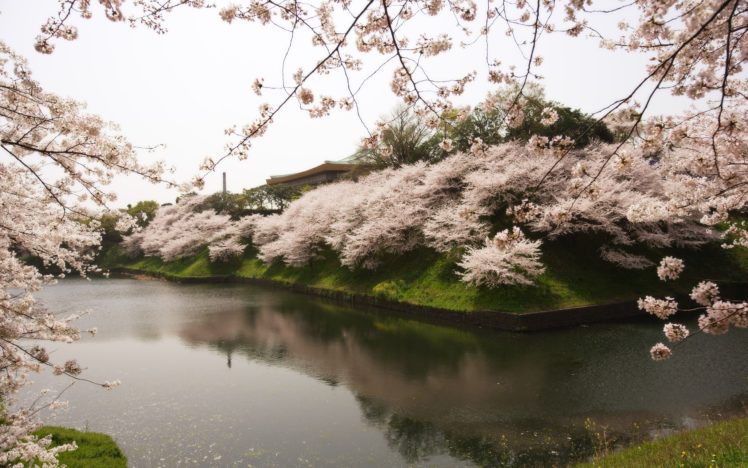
[(183, 229), (144, 211), (572, 123), (256, 198), (272, 197), (109, 233), (232, 204), (405, 139), (489, 123), (184, 196), (480, 123)]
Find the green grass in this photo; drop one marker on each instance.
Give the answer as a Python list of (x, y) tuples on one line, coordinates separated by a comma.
[(719, 445), (575, 276), (95, 450)]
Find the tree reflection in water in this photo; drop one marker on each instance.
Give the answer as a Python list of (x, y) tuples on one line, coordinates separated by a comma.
[(488, 398)]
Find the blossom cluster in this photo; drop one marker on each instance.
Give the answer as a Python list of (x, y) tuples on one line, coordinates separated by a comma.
[(660, 352), (448, 205), (670, 268), (705, 293), (675, 332), (182, 229), (508, 258), (661, 308), (719, 314)]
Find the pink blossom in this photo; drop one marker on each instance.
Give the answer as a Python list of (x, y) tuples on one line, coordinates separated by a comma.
[(721, 314), (670, 268), (62, 159), (661, 308), (446, 145), (508, 258), (675, 332), (705, 293), (548, 116), (660, 352)]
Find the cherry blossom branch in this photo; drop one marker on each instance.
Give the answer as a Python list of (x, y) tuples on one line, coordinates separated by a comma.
[(264, 121), (48, 364), (608, 110)]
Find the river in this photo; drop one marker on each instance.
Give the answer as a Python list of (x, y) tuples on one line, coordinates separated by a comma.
[(238, 375)]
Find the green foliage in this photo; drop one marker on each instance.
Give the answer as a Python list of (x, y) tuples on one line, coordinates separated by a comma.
[(488, 123), (388, 289), (227, 203), (406, 139), (721, 444), (109, 233), (111, 255), (143, 211), (186, 195), (95, 450), (264, 199), (571, 122), (189, 267), (481, 123), (268, 198), (575, 276)]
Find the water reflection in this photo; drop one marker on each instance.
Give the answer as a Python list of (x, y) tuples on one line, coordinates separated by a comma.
[(490, 398), (273, 378)]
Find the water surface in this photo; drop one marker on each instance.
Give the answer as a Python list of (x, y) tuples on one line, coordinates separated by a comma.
[(237, 375)]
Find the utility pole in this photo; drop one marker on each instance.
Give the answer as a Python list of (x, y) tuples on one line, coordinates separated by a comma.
[(224, 183)]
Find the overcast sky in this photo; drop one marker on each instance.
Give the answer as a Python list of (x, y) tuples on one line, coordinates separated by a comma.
[(182, 89)]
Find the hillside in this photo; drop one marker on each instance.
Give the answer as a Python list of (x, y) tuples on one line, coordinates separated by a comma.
[(574, 277)]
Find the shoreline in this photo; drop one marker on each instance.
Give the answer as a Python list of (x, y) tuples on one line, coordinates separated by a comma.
[(494, 320)]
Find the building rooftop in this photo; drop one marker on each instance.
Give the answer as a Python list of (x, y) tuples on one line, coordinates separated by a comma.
[(325, 172)]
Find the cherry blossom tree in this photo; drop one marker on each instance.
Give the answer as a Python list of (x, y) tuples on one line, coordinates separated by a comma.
[(57, 160), (697, 50), (694, 165), (453, 204), (507, 258), (182, 229)]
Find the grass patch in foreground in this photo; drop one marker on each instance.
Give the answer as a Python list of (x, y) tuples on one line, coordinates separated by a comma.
[(95, 450), (721, 444)]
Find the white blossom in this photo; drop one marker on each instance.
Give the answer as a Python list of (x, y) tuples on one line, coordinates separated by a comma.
[(705, 293), (660, 352), (662, 308), (675, 332), (446, 145), (56, 152), (670, 268), (508, 258), (548, 116)]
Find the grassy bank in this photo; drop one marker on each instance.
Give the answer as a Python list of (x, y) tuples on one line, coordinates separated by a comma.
[(95, 450), (575, 276), (721, 444)]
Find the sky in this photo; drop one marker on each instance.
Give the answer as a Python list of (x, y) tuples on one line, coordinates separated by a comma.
[(184, 88)]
